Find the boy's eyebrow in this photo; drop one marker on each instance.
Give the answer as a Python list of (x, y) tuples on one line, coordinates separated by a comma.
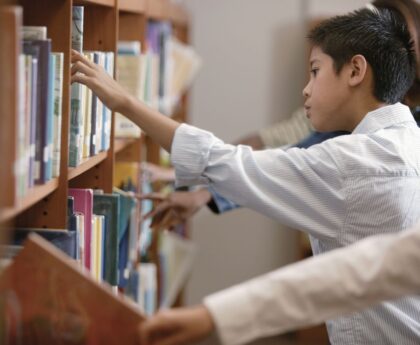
[(313, 61)]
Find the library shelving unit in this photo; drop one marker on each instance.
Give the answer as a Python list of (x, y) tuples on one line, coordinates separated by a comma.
[(105, 22)]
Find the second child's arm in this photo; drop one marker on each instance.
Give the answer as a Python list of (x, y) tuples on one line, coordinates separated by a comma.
[(159, 127)]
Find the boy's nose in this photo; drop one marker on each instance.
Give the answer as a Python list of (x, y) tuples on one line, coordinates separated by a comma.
[(305, 91)]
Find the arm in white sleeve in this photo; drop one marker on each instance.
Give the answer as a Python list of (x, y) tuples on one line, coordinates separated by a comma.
[(342, 281), (299, 188)]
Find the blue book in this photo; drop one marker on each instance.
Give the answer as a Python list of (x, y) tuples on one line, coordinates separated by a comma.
[(93, 147), (64, 240), (48, 171)]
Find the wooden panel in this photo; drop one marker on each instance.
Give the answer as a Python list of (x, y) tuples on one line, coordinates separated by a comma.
[(34, 195), (86, 164), (130, 151), (10, 22), (107, 3), (157, 9), (100, 28), (134, 6), (178, 15), (132, 27)]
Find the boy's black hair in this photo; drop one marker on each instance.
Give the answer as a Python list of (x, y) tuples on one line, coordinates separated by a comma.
[(382, 38)]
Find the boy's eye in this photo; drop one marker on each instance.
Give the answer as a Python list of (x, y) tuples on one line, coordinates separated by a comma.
[(314, 71)]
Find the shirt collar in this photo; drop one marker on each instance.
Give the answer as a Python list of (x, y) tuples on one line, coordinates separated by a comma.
[(384, 117)]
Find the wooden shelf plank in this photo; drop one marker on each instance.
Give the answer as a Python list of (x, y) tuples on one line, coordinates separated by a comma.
[(157, 9), (122, 143), (107, 3), (87, 164), (178, 15), (34, 195), (133, 6)]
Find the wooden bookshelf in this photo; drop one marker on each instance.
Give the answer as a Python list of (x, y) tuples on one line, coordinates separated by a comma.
[(105, 22), (133, 6)]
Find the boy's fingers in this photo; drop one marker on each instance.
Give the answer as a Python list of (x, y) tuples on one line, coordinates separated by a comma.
[(76, 56), (80, 78), (152, 196), (82, 68), (158, 209)]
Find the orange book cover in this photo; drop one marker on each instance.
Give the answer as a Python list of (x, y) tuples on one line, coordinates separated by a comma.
[(48, 299)]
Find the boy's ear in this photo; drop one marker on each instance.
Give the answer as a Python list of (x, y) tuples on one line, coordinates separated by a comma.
[(358, 69)]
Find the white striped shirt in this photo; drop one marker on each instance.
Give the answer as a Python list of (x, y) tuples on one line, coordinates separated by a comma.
[(339, 192)]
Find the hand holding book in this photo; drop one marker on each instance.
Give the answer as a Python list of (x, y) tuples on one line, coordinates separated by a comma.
[(159, 127)]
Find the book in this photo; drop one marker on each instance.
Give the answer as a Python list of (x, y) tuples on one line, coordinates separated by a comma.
[(59, 303), (58, 104), (41, 50), (62, 239), (34, 32), (108, 205), (76, 115), (177, 257), (33, 120), (83, 203), (47, 156)]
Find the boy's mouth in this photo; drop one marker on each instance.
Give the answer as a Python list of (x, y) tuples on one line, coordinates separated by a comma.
[(307, 111)]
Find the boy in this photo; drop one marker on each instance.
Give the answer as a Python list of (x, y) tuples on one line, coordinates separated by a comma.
[(340, 191)]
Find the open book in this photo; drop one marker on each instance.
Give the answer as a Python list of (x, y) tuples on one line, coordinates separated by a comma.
[(45, 298)]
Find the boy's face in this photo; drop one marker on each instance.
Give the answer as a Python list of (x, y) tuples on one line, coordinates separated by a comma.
[(326, 94)]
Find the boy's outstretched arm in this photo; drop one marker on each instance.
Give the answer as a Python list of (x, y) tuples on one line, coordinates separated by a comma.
[(159, 127)]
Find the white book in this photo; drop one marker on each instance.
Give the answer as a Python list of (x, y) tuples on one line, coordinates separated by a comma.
[(178, 257), (34, 32), (58, 105)]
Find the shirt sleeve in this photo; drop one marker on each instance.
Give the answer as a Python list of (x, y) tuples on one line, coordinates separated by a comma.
[(219, 204), (312, 291), (287, 132), (301, 188)]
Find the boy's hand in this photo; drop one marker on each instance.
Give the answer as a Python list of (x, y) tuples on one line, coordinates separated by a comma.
[(158, 173), (176, 207), (177, 326), (99, 81)]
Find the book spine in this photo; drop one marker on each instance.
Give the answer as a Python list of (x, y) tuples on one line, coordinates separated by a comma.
[(58, 103), (33, 120), (76, 117), (48, 166), (94, 112)]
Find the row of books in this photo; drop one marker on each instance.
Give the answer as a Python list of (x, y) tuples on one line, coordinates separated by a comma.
[(90, 119), (176, 254), (40, 113), (156, 74)]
